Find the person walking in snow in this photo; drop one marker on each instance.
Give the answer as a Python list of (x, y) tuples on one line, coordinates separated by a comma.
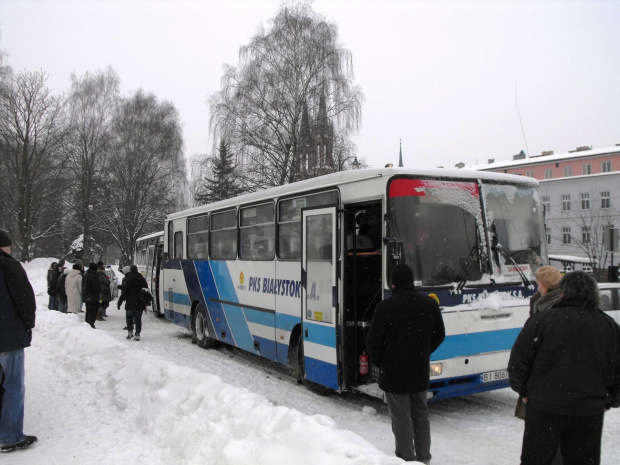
[(61, 290), (565, 365), (91, 289), (106, 293), (52, 281), (73, 289), (133, 283), (405, 329), (17, 318)]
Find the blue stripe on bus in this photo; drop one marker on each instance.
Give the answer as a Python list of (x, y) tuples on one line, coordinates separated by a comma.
[(287, 322), (195, 291), (267, 348), (323, 335), (465, 345), (217, 278), (321, 372), (181, 299), (258, 317), (210, 291), (282, 350)]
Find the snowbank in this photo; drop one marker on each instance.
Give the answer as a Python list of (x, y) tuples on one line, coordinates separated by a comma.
[(177, 414)]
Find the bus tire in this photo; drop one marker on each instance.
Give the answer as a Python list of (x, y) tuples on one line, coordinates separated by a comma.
[(199, 330), (301, 372)]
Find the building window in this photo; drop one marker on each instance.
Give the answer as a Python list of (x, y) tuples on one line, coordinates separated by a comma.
[(605, 201), (568, 171), (586, 169), (585, 201), (548, 173), (565, 202), (606, 167), (548, 235), (529, 174), (546, 201), (585, 234), (566, 235)]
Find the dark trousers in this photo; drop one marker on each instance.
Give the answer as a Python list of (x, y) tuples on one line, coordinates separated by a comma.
[(91, 313), (134, 316), (410, 425), (579, 438)]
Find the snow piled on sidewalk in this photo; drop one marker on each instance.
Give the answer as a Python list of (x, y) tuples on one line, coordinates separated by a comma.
[(113, 403)]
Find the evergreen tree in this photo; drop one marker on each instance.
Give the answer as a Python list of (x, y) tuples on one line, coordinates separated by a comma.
[(223, 183)]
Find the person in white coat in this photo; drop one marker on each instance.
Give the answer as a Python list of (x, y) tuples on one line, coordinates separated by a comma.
[(73, 288)]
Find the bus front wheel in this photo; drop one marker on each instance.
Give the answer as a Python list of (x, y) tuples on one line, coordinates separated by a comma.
[(199, 330), (300, 372)]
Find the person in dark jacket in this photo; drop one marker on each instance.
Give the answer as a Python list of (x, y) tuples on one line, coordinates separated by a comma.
[(565, 365), (405, 329), (91, 289), (52, 281), (17, 318), (106, 293), (133, 283), (61, 290)]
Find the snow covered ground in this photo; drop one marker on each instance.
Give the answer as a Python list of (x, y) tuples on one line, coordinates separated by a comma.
[(94, 398)]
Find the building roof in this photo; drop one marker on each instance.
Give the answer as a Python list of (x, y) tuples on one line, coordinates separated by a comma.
[(547, 158)]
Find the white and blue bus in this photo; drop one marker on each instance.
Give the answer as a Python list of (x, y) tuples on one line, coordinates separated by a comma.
[(294, 273)]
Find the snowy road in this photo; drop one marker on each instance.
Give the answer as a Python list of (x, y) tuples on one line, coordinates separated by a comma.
[(95, 398)]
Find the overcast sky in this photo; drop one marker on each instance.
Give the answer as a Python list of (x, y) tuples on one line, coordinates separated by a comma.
[(438, 75)]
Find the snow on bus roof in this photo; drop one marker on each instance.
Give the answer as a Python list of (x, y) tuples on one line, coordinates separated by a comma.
[(569, 258), (334, 179), (151, 235)]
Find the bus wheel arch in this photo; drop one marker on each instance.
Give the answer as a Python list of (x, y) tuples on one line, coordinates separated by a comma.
[(296, 361), (200, 333)]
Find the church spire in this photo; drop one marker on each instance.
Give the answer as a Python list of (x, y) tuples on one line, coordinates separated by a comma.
[(400, 156)]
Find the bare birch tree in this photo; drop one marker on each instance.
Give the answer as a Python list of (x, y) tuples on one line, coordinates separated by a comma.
[(592, 222), (32, 130), (146, 174), (92, 102), (258, 110)]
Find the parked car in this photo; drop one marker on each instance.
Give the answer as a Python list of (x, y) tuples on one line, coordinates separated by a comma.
[(111, 274), (609, 299)]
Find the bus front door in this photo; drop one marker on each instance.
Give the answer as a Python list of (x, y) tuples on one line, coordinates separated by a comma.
[(320, 296)]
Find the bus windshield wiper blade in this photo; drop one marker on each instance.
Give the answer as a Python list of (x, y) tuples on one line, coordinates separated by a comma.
[(468, 267), (526, 282)]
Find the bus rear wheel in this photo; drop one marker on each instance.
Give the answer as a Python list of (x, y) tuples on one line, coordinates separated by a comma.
[(300, 371), (199, 330)]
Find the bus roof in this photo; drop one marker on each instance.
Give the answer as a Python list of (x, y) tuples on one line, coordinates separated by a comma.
[(150, 236), (349, 176)]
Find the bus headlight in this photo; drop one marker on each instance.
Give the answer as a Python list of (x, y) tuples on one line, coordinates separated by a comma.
[(436, 369)]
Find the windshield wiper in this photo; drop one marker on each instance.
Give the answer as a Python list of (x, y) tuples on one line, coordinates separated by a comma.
[(468, 267), (526, 282)]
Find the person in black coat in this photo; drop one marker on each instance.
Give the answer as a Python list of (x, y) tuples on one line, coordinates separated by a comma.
[(565, 365), (91, 289), (106, 292), (405, 329), (133, 283), (52, 281), (17, 318)]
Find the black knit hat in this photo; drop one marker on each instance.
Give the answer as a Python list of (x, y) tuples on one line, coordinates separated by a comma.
[(92, 266), (402, 275), (5, 239)]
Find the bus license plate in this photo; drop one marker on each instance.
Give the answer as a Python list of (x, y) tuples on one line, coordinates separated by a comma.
[(497, 375)]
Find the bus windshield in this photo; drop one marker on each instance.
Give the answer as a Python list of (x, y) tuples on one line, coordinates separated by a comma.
[(438, 228), (515, 225), (439, 224)]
